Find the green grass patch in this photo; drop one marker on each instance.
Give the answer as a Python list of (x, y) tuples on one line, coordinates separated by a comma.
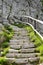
[(5, 51), (5, 44), (3, 61)]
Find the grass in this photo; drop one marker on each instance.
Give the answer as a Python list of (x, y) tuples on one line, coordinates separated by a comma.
[(5, 51), (3, 61), (35, 38), (5, 36)]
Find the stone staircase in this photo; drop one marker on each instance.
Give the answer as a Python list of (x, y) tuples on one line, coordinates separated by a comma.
[(22, 51)]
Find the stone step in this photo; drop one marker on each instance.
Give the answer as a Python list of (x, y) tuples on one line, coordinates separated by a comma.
[(23, 39), (35, 59), (28, 45), (24, 31), (15, 41), (11, 60), (16, 29), (20, 37), (15, 46), (10, 55), (18, 61), (23, 60), (13, 51), (21, 55), (30, 63), (30, 50), (23, 45), (18, 33), (18, 41)]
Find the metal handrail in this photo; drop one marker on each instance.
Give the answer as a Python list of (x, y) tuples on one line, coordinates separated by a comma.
[(39, 21), (33, 19)]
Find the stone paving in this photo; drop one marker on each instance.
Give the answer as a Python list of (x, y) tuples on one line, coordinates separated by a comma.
[(22, 51)]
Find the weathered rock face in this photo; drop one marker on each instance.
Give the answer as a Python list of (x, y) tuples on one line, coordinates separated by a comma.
[(22, 7)]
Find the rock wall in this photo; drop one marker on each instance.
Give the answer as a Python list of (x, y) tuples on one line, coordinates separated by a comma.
[(22, 7)]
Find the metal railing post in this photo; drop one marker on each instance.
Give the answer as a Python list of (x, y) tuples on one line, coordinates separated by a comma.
[(35, 24)]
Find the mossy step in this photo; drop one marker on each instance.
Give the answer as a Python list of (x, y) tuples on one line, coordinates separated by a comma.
[(20, 55)]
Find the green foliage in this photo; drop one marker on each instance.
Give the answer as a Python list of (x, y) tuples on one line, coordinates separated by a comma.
[(5, 51), (8, 27), (19, 24), (37, 42), (28, 28), (33, 38), (41, 59), (32, 34), (5, 36), (5, 44), (40, 49), (3, 61)]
